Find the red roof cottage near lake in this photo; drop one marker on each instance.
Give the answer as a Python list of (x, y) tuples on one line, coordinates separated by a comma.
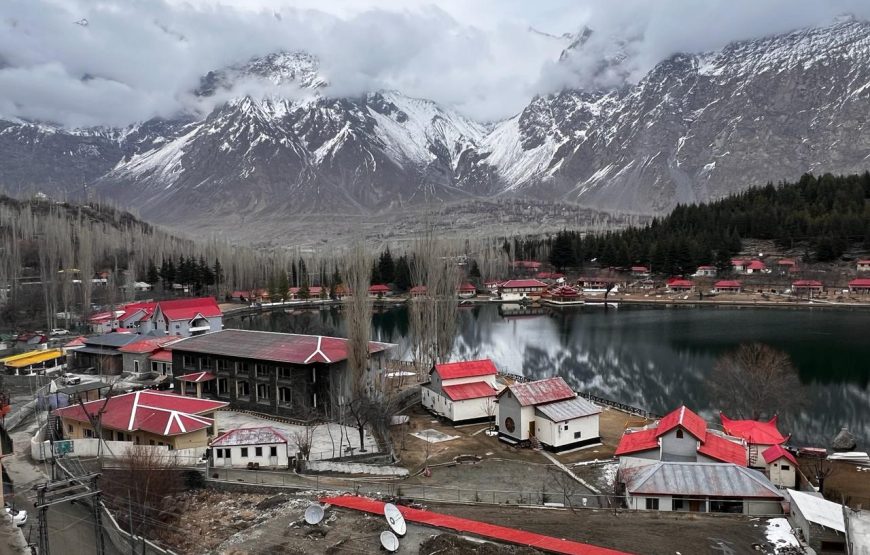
[(461, 391)]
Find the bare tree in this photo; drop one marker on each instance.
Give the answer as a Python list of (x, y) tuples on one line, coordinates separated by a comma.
[(357, 277), (303, 438), (755, 380), (489, 408)]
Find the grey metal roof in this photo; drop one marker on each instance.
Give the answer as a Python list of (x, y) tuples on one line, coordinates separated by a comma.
[(700, 479), (249, 436), (99, 351), (113, 339), (569, 409), (86, 386)]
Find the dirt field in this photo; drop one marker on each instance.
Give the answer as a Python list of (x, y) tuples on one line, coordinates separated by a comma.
[(642, 533), (845, 483)]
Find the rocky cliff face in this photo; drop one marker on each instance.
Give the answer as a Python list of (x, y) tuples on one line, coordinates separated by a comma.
[(695, 127)]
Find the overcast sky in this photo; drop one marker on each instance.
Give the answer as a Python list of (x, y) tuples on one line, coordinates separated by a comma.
[(136, 59)]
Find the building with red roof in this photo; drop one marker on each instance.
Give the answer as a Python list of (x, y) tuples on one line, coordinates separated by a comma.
[(466, 291), (807, 287), (863, 266), (251, 447), (462, 391), (136, 356), (727, 286), (186, 317), (519, 289), (780, 466), (281, 373), (755, 267), (548, 412), (859, 286), (419, 290), (706, 271), (757, 434), (680, 435), (379, 290), (640, 271), (314, 292), (680, 285), (144, 417)]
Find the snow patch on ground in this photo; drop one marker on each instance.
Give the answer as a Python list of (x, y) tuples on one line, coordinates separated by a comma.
[(433, 436), (779, 534)]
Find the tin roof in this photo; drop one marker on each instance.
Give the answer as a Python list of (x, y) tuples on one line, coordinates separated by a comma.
[(146, 345), (775, 452), (523, 283), (197, 377), (569, 409), (819, 510), (700, 479), (726, 283), (807, 283), (753, 431), (112, 339), (465, 369), (278, 347), (540, 391), (686, 419), (860, 282), (637, 441), (249, 436), (473, 390), (188, 309), (722, 449), (161, 355)]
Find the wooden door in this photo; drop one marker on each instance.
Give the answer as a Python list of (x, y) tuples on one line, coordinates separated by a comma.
[(532, 428), (695, 505)]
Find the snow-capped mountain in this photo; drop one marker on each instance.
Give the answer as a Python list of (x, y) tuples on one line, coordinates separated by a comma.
[(270, 140)]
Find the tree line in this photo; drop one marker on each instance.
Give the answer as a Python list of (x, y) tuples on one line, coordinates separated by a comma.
[(822, 217)]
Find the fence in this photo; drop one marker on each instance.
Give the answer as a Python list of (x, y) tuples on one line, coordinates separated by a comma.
[(111, 451), (595, 399)]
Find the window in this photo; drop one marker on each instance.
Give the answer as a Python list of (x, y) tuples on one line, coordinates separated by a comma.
[(150, 442), (136, 366), (679, 434), (244, 451), (177, 326), (566, 427), (678, 503), (218, 453), (243, 389), (222, 386), (285, 395), (223, 365), (258, 451), (69, 428), (244, 368), (734, 506), (576, 434), (188, 361), (285, 373), (264, 391), (652, 503), (509, 423), (273, 451), (785, 467), (89, 432)]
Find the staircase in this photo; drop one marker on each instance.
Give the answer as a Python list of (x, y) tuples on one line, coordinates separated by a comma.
[(54, 430), (536, 445)]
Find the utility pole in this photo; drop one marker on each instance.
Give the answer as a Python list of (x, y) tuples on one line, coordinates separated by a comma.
[(61, 491)]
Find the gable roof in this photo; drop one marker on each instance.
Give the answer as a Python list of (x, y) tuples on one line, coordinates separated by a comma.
[(722, 449), (684, 418), (146, 345), (277, 347), (726, 283), (188, 309), (472, 390), (569, 409), (197, 377), (637, 441), (700, 479), (525, 283), (775, 452), (540, 391), (249, 436), (819, 510), (465, 369), (159, 413), (753, 431), (112, 339)]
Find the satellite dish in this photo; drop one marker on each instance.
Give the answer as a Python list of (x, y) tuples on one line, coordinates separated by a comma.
[(395, 519), (314, 514), (389, 541)]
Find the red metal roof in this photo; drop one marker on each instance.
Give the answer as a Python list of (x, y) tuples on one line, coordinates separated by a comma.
[(102, 317), (278, 347), (564, 291), (523, 283), (737, 262), (807, 283), (863, 262), (686, 419), (775, 452), (77, 342), (249, 436), (540, 391), (162, 355), (860, 282), (721, 449), (483, 529), (786, 262), (466, 369), (680, 283), (379, 288), (146, 345), (419, 290), (634, 442), (473, 390), (639, 269), (467, 287), (726, 283), (187, 309), (197, 377), (753, 431), (159, 413), (756, 265), (313, 290)]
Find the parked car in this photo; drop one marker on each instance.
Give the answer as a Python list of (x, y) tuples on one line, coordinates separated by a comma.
[(19, 517), (70, 379), (59, 331)]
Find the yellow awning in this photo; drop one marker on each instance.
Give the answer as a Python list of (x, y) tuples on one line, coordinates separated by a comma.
[(33, 357)]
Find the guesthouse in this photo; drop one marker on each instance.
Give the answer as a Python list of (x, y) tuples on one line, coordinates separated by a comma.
[(727, 286), (780, 466), (821, 522), (461, 391), (807, 288), (860, 286), (519, 289), (547, 412), (680, 285), (379, 291), (263, 447), (466, 291), (758, 435), (705, 271), (863, 266)]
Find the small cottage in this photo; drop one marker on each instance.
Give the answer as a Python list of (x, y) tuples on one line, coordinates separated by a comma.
[(807, 287), (519, 289), (781, 466), (860, 286), (727, 286), (547, 412), (466, 291), (755, 267), (680, 285), (379, 290), (820, 522), (461, 391), (706, 271), (251, 447), (758, 435), (863, 266)]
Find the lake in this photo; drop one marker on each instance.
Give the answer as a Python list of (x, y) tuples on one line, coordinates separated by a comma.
[(654, 358)]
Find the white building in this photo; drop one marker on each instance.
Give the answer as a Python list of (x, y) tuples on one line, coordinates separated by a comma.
[(821, 522), (701, 487), (461, 391), (519, 289), (265, 447), (780, 466), (547, 411)]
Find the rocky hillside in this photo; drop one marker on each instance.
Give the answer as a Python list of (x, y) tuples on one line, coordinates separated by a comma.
[(696, 127)]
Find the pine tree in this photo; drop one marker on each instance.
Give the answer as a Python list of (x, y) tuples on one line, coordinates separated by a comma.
[(403, 274), (152, 276), (474, 271), (386, 267)]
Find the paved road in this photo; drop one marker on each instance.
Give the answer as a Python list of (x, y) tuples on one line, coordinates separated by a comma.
[(70, 526)]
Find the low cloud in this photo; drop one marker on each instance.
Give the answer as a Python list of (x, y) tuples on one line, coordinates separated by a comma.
[(81, 63)]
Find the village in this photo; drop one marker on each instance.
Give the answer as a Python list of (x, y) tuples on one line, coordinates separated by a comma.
[(269, 423)]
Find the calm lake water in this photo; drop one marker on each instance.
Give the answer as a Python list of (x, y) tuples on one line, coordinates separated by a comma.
[(651, 357)]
